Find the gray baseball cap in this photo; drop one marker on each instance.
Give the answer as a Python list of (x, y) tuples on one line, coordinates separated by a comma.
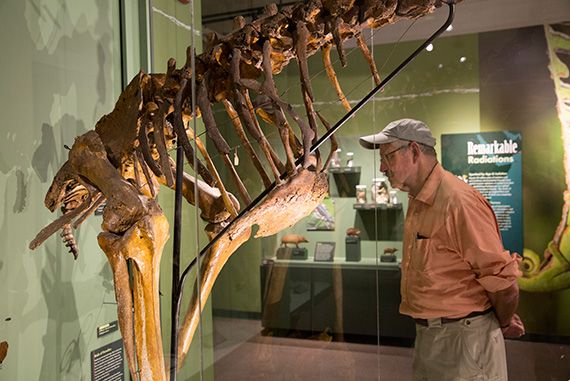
[(402, 129)]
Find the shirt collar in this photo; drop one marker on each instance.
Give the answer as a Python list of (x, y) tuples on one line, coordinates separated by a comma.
[(429, 189)]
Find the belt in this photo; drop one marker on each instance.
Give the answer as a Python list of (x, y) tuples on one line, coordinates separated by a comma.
[(426, 322)]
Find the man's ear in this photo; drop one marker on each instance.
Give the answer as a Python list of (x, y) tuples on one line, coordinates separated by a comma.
[(416, 151)]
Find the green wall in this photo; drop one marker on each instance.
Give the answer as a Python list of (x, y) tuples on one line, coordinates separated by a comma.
[(59, 76)]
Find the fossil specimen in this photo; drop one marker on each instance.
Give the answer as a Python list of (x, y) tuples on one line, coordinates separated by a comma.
[(125, 158)]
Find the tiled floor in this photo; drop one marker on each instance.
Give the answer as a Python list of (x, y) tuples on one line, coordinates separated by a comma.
[(242, 353)]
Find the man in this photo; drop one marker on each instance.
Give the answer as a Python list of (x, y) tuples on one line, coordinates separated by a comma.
[(458, 282)]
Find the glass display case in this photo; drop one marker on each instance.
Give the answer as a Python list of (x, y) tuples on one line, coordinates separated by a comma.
[(320, 298)]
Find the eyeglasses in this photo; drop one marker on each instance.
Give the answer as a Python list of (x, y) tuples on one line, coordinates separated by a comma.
[(386, 158)]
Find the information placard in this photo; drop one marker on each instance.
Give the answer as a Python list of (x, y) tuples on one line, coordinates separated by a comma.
[(492, 163), (107, 328), (107, 363), (324, 251)]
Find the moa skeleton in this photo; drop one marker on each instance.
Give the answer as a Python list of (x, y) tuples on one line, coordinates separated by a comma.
[(125, 159)]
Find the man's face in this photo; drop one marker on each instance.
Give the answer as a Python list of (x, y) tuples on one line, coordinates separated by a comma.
[(395, 163)]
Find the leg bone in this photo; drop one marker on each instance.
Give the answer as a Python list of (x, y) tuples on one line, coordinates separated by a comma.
[(143, 244)]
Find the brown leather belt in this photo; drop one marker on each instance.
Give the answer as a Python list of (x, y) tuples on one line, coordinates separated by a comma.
[(424, 322)]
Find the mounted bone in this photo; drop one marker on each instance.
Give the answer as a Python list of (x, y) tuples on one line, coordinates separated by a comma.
[(125, 158), (305, 190)]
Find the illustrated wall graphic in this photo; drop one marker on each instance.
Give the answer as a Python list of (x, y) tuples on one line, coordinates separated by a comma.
[(322, 218), (552, 273), (125, 158)]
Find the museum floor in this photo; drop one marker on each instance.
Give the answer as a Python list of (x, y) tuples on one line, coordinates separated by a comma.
[(242, 353)]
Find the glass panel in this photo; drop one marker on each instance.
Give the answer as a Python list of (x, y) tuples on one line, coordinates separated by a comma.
[(281, 308)]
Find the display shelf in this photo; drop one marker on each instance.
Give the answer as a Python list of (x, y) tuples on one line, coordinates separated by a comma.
[(336, 170), (364, 263), (346, 179), (376, 206), (306, 299), (383, 222)]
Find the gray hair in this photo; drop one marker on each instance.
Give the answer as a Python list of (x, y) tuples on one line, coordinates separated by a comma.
[(427, 150)]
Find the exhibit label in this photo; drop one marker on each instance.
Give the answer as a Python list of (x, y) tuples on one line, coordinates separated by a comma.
[(107, 328), (107, 363), (324, 251), (492, 163)]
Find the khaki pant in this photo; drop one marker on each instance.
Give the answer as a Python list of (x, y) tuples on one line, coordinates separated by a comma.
[(470, 349)]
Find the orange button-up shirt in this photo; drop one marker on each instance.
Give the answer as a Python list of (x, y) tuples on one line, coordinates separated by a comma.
[(452, 251)]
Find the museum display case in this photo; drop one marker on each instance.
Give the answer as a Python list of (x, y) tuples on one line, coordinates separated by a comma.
[(309, 287)]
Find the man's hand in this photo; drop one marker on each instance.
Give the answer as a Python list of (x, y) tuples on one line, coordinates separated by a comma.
[(514, 329)]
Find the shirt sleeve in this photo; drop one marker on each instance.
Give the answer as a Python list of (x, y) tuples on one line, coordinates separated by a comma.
[(471, 221)]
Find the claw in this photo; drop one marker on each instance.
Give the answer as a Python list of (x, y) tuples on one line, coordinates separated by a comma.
[(334, 142), (247, 114), (183, 139), (301, 38), (338, 40), (160, 142)]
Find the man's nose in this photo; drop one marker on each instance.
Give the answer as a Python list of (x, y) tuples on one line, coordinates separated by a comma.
[(383, 167)]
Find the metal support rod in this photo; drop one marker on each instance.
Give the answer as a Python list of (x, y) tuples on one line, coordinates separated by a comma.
[(318, 143), (177, 281), (175, 316), (151, 34)]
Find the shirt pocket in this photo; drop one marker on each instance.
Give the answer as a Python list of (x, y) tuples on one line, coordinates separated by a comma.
[(423, 256)]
